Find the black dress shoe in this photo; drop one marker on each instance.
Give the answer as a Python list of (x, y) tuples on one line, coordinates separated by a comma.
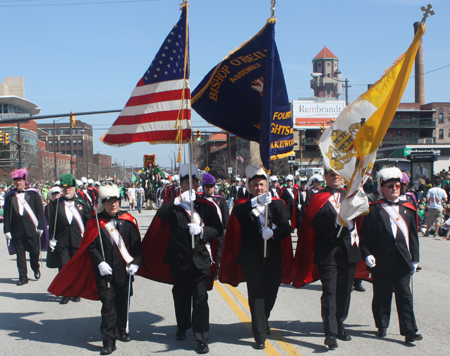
[(381, 332), (37, 274), (358, 286), (75, 299), (202, 348), (260, 345), (125, 337), (108, 350), (342, 335), (413, 337), (331, 341), (268, 330), (64, 300), (22, 281), (180, 335)]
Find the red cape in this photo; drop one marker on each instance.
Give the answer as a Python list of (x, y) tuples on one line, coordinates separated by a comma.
[(154, 246), (304, 271), (77, 278), (230, 272)]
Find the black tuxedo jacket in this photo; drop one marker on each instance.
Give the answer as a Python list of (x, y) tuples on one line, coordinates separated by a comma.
[(67, 234), (179, 249), (21, 225), (326, 238), (378, 240), (288, 200), (132, 239), (252, 246)]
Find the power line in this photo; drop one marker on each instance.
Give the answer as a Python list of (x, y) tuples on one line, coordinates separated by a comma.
[(79, 3)]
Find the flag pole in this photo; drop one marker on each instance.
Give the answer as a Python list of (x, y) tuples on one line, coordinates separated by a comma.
[(266, 218), (190, 191)]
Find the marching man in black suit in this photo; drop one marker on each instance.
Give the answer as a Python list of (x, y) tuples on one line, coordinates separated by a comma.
[(116, 257), (190, 269), (24, 224), (390, 246), (336, 257), (68, 218), (263, 274)]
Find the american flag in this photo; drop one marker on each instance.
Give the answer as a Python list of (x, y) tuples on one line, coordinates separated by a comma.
[(159, 110), (239, 157)]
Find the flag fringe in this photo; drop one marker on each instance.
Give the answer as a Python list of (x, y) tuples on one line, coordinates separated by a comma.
[(283, 155)]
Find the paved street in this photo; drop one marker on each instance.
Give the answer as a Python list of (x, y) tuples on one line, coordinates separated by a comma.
[(32, 322)]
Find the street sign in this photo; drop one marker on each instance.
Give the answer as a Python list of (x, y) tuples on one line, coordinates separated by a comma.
[(207, 169), (230, 170)]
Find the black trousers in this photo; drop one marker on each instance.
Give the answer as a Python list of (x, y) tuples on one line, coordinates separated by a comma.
[(190, 292), (65, 253), (262, 286), (384, 284), (32, 245), (337, 283), (114, 311)]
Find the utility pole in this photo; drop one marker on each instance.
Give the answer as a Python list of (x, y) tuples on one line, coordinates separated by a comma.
[(346, 86), (19, 145)]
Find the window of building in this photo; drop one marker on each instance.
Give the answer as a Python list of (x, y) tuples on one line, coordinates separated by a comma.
[(74, 142), (328, 91), (441, 133), (68, 142), (80, 153), (50, 132), (319, 64), (441, 118), (328, 64), (63, 142), (408, 116), (399, 116), (74, 131), (414, 133), (408, 133), (61, 132), (399, 133), (67, 131), (50, 143), (80, 142)]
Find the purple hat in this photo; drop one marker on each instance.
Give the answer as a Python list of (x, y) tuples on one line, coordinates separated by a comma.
[(405, 178), (208, 179), (21, 173)]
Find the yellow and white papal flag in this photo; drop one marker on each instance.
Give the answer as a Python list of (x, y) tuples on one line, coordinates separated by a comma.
[(349, 146)]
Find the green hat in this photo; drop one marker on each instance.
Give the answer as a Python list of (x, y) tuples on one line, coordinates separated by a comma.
[(68, 180)]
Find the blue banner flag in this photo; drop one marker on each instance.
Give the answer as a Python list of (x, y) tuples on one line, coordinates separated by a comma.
[(246, 95)]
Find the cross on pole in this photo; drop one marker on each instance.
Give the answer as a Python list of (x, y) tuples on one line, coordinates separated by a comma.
[(272, 8), (427, 11)]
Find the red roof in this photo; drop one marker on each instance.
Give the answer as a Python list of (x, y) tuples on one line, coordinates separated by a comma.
[(325, 53), (218, 137)]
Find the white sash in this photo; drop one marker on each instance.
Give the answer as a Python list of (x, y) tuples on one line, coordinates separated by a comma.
[(354, 237), (76, 215), (260, 211), (118, 240), (274, 192), (198, 220), (219, 212), (290, 191), (87, 196), (398, 220), (21, 200)]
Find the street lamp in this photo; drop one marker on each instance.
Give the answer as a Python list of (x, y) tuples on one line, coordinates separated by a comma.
[(54, 146)]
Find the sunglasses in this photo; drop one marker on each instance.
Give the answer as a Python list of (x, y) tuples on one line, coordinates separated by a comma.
[(208, 185), (393, 186)]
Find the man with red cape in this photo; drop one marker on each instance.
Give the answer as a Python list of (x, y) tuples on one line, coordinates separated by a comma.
[(170, 258), (325, 252), (243, 253), (103, 267)]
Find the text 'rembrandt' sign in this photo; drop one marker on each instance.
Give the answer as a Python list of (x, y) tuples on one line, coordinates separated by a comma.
[(311, 114)]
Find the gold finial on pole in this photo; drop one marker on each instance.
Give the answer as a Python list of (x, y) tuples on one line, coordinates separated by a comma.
[(427, 11), (272, 8)]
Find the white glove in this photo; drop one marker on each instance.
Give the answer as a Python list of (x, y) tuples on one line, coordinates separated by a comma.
[(40, 232), (299, 206), (267, 233), (52, 244), (8, 238), (105, 269), (194, 229), (265, 199), (415, 264), (186, 197), (370, 261), (132, 269)]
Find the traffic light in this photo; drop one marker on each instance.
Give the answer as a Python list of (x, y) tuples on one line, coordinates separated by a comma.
[(1, 136), (72, 120), (6, 138), (199, 135)]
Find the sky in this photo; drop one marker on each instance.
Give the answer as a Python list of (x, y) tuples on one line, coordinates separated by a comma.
[(88, 55)]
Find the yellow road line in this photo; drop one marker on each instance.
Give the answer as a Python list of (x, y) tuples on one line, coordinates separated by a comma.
[(270, 350), (286, 346)]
